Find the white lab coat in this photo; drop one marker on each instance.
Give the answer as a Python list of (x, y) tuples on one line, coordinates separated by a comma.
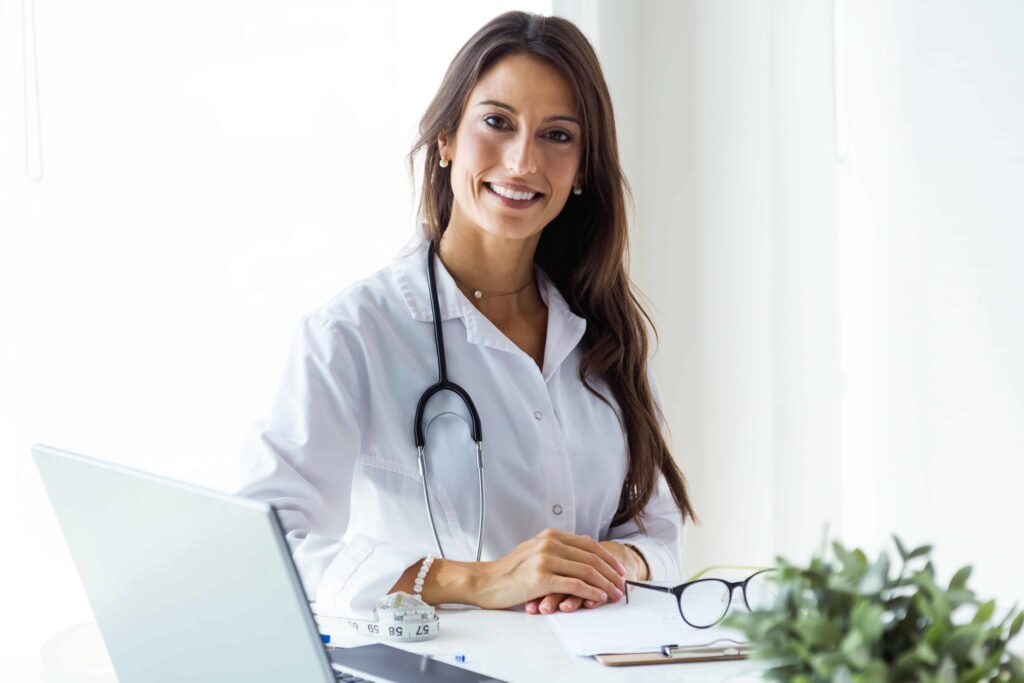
[(337, 458)]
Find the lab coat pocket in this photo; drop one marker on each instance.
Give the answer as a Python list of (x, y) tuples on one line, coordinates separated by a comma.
[(387, 504)]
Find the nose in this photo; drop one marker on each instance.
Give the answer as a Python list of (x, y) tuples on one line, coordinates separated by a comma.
[(519, 157)]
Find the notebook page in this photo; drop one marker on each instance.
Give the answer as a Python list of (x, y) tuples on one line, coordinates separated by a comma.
[(650, 620)]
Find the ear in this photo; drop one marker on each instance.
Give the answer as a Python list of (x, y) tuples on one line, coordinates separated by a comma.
[(443, 146)]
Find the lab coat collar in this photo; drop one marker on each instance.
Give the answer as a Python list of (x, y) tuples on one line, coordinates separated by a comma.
[(565, 328)]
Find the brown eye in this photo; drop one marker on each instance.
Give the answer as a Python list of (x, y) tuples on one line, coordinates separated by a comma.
[(492, 116)]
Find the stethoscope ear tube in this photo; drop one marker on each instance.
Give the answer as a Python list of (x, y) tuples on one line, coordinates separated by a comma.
[(443, 384), (442, 368)]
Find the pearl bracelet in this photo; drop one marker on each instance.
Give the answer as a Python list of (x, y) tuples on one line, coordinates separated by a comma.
[(418, 587)]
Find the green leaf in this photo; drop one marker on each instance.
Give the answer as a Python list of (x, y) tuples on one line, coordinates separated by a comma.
[(936, 633), (875, 578), (924, 608), (946, 672), (926, 580), (819, 631), (959, 579), (899, 547), (919, 552), (1017, 667), (984, 613), (845, 557), (960, 596), (926, 654), (866, 618), (854, 649), (875, 672), (1015, 627), (842, 676), (962, 640)]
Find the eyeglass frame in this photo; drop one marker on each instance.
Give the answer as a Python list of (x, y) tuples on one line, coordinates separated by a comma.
[(677, 591)]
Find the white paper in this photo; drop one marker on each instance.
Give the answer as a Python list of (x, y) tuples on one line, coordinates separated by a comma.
[(649, 621)]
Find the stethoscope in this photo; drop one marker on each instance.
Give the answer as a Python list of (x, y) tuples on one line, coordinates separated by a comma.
[(444, 384)]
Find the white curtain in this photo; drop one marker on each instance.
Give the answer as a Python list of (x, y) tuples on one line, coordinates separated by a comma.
[(827, 226)]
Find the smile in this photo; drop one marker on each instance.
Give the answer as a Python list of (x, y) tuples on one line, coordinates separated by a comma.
[(509, 198)]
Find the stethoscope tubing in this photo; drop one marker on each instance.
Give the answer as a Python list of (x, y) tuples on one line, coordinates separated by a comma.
[(444, 384)]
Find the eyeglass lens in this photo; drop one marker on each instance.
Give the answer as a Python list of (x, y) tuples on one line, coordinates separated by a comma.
[(704, 603), (761, 591)]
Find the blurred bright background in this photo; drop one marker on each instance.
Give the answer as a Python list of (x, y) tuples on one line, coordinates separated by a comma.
[(828, 227)]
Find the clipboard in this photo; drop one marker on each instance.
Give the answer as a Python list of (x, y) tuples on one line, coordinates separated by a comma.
[(673, 654)]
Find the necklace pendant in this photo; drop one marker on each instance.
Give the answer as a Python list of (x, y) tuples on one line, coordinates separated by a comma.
[(478, 294)]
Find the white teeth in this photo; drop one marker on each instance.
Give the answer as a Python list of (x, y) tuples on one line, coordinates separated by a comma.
[(512, 195)]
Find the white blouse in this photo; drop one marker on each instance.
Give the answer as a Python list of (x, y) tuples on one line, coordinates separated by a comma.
[(337, 458)]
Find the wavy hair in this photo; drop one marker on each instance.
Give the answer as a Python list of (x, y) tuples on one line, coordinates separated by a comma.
[(583, 250)]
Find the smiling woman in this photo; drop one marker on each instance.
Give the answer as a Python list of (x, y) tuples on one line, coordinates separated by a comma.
[(523, 202)]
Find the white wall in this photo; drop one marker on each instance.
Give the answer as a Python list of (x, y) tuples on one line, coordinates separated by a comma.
[(930, 206), (828, 229), (210, 172)]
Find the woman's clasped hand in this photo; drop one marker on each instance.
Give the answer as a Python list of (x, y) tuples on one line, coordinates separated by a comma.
[(554, 570)]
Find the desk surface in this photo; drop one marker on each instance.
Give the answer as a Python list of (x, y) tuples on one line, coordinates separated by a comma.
[(522, 647), (526, 649)]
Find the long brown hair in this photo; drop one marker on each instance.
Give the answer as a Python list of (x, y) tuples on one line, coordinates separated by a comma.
[(584, 250)]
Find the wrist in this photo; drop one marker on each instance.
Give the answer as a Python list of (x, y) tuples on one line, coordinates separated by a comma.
[(640, 569), (451, 581)]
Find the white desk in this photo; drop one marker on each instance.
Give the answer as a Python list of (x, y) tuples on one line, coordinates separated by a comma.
[(526, 649)]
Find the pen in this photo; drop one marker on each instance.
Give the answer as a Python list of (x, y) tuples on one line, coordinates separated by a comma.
[(458, 658)]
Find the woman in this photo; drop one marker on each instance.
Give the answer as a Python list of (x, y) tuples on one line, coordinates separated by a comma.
[(540, 327)]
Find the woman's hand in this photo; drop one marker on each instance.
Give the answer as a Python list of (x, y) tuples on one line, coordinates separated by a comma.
[(636, 571), (551, 563)]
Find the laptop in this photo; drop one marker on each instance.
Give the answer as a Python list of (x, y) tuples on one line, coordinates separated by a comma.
[(189, 584)]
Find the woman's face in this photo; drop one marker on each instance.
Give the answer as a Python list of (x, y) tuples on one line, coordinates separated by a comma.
[(518, 126)]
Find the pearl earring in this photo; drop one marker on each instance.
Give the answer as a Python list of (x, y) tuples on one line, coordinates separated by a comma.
[(577, 191), (443, 163)]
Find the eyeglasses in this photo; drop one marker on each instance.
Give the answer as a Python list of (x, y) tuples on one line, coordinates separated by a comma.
[(705, 602)]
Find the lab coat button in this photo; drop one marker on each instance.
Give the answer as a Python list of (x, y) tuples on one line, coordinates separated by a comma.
[(539, 415), (557, 509)]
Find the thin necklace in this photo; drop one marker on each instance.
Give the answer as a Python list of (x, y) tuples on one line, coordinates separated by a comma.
[(490, 295), (477, 294)]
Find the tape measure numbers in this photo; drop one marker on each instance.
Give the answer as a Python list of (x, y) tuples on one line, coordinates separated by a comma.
[(400, 616)]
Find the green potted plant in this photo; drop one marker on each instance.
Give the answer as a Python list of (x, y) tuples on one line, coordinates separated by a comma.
[(851, 619)]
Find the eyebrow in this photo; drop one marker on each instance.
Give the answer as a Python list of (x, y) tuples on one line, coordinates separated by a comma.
[(509, 107)]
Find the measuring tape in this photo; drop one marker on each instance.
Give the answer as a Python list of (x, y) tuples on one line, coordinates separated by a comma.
[(400, 616)]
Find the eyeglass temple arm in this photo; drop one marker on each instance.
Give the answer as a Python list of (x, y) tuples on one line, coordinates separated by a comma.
[(713, 567), (639, 584)]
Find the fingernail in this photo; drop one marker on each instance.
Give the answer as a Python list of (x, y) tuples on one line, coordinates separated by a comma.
[(589, 603), (622, 570), (566, 605), (618, 594), (604, 596)]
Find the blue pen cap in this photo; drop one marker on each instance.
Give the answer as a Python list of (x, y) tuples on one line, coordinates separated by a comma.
[(326, 638)]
